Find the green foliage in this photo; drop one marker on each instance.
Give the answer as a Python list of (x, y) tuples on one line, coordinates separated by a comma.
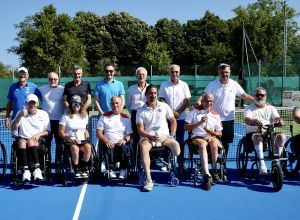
[(6, 71)]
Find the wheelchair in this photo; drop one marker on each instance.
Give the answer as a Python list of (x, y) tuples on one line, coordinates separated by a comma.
[(159, 154), (246, 154), (3, 161), (64, 167), (107, 166), (191, 167), (44, 159)]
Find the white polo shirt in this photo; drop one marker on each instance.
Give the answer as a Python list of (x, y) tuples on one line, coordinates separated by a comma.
[(213, 122), (155, 119), (224, 96), (265, 115), (34, 124), (114, 127), (75, 126), (174, 94), (53, 101), (135, 97)]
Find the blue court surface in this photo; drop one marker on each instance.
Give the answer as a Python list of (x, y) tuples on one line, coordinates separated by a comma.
[(238, 199)]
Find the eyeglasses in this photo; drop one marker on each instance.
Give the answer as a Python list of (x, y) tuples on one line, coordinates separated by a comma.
[(260, 95), (109, 71), (53, 79), (75, 104)]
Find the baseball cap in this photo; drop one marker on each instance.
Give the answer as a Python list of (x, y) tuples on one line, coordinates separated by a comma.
[(76, 98), (22, 69), (32, 97)]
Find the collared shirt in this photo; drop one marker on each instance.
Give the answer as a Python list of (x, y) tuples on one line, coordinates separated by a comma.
[(115, 127), (174, 94), (135, 97), (105, 90), (155, 120), (18, 95), (53, 101), (213, 122), (224, 96)]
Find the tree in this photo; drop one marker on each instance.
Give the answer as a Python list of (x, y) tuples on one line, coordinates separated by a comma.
[(6, 71), (48, 41)]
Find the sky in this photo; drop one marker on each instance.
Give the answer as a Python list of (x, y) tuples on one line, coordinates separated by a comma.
[(150, 11)]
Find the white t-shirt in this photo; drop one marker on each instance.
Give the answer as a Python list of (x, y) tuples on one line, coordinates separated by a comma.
[(213, 122), (33, 124), (224, 97), (155, 120), (135, 97), (265, 115), (53, 101), (75, 126), (174, 94), (114, 127)]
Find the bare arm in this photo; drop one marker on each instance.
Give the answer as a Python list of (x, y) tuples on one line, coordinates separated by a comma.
[(66, 104), (8, 111), (88, 102), (102, 138), (296, 115), (248, 98), (173, 126), (97, 104), (143, 133), (123, 101)]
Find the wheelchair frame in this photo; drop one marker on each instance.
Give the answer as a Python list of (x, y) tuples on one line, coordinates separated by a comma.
[(3, 161)]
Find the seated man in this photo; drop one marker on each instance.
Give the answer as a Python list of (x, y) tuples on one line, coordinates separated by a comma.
[(31, 124), (206, 128), (261, 113), (295, 144), (114, 130), (153, 128)]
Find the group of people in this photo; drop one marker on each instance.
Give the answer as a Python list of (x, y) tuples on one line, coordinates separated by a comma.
[(157, 116)]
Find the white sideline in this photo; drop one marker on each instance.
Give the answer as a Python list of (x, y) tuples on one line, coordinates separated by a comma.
[(79, 203)]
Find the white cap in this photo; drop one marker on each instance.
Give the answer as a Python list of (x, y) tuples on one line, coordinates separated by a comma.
[(23, 69), (32, 97)]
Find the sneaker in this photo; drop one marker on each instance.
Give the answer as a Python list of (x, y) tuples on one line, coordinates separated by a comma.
[(103, 167), (148, 185), (215, 176), (26, 176), (77, 174), (207, 182), (85, 173), (262, 168), (122, 174), (37, 174), (112, 174), (164, 168)]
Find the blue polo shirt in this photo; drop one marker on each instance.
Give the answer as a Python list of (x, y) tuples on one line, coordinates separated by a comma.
[(18, 95), (105, 91)]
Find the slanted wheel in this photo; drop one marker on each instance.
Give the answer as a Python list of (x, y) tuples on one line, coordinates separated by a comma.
[(277, 177), (3, 161), (242, 157), (185, 164)]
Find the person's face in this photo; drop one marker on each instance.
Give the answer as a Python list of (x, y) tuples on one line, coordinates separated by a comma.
[(174, 74), (77, 74), (115, 105), (260, 97), (22, 76), (224, 74), (207, 101), (32, 107), (152, 95), (76, 106), (53, 80), (141, 76), (109, 73)]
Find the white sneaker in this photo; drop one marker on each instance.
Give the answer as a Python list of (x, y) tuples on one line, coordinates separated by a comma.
[(122, 174), (26, 176), (118, 165), (164, 168), (112, 174), (148, 186), (103, 167), (262, 168), (37, 174)]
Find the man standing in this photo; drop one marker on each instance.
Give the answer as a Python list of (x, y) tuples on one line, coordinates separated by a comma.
[(78, 87), (176, 94), (17, 94), (107, 88), (225, 91)]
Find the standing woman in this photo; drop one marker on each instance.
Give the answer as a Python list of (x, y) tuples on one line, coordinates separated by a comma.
[(72, 129)]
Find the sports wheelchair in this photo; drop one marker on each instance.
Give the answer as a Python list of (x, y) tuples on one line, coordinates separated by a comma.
[(246, 153), (160, 154), (44, 159), (64, 167), (191, 167), (107, 166), (3, 160)]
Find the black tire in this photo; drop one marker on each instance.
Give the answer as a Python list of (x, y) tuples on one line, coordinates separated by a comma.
[(3, 161), (290, 164), (185, 164), (242, 157), (276, 177), (222, 161)]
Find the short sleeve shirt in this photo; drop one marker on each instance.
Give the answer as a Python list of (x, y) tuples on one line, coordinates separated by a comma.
[(83, 90), (135, 97)]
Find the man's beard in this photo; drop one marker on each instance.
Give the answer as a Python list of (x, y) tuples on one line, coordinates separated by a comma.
[(260, 103)]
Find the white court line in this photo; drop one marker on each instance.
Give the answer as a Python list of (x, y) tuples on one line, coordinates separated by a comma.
[(80, 201)]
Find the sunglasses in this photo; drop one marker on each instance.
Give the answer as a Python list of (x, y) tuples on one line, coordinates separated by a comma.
[(76, 104), (109, 71), (53, 79), (260, 95)]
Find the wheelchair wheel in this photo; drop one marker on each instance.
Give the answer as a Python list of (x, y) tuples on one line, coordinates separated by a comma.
[(185, 163), (292, 162), (222, 162), (94, 165), (242, 157), (3, 161), (277, 177), (60, 166)]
